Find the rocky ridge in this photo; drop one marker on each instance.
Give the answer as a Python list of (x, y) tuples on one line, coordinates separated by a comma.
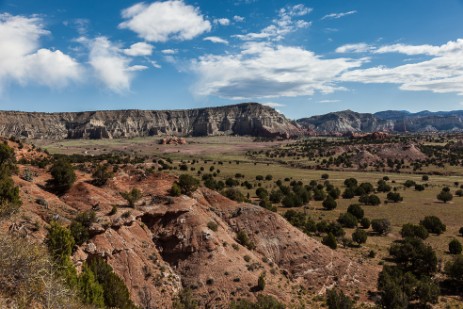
[(250, 119), (388, 121)]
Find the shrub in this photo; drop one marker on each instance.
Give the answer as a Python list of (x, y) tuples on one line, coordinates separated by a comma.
[(175, 190), (261, 282), (268, 177), (359, 236), (60, 244), (366, 187), (365, 223), (413, 255), (10, 200), (188, 184), (433, 224), (101, 175), (91, 292), (348, 193), (419, 187), (325, 176), (356, 210), (350, 182), (132, 196), (455, 247), (348, 220), (234, 194), (115, 292), (213, 226), (338, 300), (394, 197), (383, 186), (243, 239), (329, 203), (27, 175), (454, 269), (276, 196), (318, 194), (412, 230), (425, 178), (261, 193), (381, 226), (330, 241), (63, 176), (445, 196), (461, 231), (28, 279), (409, 183), (370, 200)]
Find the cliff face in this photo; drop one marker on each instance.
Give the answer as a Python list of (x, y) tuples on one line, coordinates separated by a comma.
[(394, 121), (346, 121), (243, 119)]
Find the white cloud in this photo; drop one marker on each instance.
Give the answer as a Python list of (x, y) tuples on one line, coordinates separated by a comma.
[(23, 61), (261, 70), (281, 26), (354, 48), (222, 21), (297, 10), (238, 18), (338, 15), (430, 50), (155, 64), (139, 49), (216, 39), (111, 67), (161, 21), (443, 73), (329, 101), (169, 51), (273, 104)]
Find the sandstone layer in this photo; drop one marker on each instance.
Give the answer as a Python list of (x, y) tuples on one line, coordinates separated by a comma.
[(249, 119)]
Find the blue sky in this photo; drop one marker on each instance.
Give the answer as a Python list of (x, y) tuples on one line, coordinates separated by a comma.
[(301, 57)]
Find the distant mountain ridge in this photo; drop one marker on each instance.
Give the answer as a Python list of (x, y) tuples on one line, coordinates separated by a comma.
[(245, 119), (251, 119), (390, 120)]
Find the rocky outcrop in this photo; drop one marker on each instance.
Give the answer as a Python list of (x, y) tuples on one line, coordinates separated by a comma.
[(250, 119)]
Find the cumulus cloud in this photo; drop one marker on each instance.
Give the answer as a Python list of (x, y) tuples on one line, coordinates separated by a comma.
[(338, 15), (161, 21), (139, 49), (110, 64), (443, 73), (281, 26), (23, 61), (216, 39), (222, 21), (261, 70)]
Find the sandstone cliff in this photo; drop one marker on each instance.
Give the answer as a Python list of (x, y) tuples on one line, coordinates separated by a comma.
[(250, 119)]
